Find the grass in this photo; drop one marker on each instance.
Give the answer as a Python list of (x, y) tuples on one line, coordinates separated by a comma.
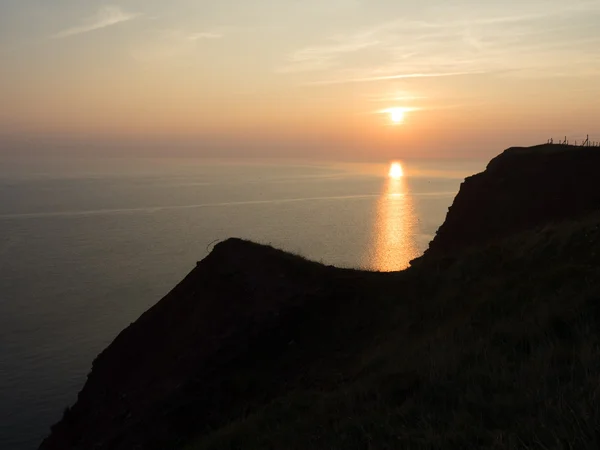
[(498, 348)]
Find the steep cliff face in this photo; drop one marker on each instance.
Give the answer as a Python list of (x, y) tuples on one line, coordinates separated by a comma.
[(495, 347), (177, 369), (520, 189)]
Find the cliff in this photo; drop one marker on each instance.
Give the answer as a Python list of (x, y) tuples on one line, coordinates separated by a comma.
[(490, 341), (522, 188), (225, 338)]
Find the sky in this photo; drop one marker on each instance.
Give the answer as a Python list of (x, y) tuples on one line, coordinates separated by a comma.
[(297, 78)]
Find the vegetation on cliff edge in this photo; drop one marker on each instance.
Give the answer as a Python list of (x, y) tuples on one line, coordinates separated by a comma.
[(498, 348)]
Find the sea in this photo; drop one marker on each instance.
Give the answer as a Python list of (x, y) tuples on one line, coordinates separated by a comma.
[(88, 244)]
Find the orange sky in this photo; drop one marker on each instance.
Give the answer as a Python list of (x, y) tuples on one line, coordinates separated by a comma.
[(299, 78)]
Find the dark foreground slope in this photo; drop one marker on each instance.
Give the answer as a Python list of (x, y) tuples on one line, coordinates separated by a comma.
[(496, 348), (242, 328), (500, 350)]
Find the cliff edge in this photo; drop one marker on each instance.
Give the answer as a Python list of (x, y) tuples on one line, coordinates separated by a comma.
[(178, 369), (522, 188), (491, 341)]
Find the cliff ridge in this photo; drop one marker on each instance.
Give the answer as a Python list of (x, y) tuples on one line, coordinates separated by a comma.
[(490, 340)]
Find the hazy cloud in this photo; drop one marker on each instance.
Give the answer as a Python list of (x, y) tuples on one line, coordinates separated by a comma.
[(205, 35), (322, 57), (171, 44), (451, 44), (400, 76), (107, 16)]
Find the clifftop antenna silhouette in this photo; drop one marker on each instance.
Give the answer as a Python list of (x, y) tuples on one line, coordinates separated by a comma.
[(586, 143)]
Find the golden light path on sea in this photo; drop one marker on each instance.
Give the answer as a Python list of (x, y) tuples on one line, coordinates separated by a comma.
[(395, 223)]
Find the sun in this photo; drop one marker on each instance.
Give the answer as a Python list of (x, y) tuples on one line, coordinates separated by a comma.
[(397, 115), (396, 171)]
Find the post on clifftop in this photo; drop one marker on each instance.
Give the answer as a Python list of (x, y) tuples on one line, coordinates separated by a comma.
[(586, 142)]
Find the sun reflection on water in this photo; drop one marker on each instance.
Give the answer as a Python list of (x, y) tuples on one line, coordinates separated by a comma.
[(395, 226)]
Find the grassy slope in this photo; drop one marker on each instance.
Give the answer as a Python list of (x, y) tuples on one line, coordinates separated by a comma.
[(496, 349)]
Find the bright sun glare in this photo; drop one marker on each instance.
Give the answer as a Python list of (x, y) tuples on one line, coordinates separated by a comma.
[(396, 171), (397, 115)]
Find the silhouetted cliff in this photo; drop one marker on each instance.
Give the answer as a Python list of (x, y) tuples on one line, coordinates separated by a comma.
[(178, 368), (496, 346), (520, 189)]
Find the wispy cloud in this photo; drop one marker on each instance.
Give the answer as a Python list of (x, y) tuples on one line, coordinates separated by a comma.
[(205, 35), (172, 44), (450, 44), (400, 76), (107, 16), (399, 97), (322, 57)]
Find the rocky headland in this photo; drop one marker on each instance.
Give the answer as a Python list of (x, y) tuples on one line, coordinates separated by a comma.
[(490, 340)]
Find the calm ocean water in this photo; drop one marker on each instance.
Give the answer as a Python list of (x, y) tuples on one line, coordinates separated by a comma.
[(87, 246)]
